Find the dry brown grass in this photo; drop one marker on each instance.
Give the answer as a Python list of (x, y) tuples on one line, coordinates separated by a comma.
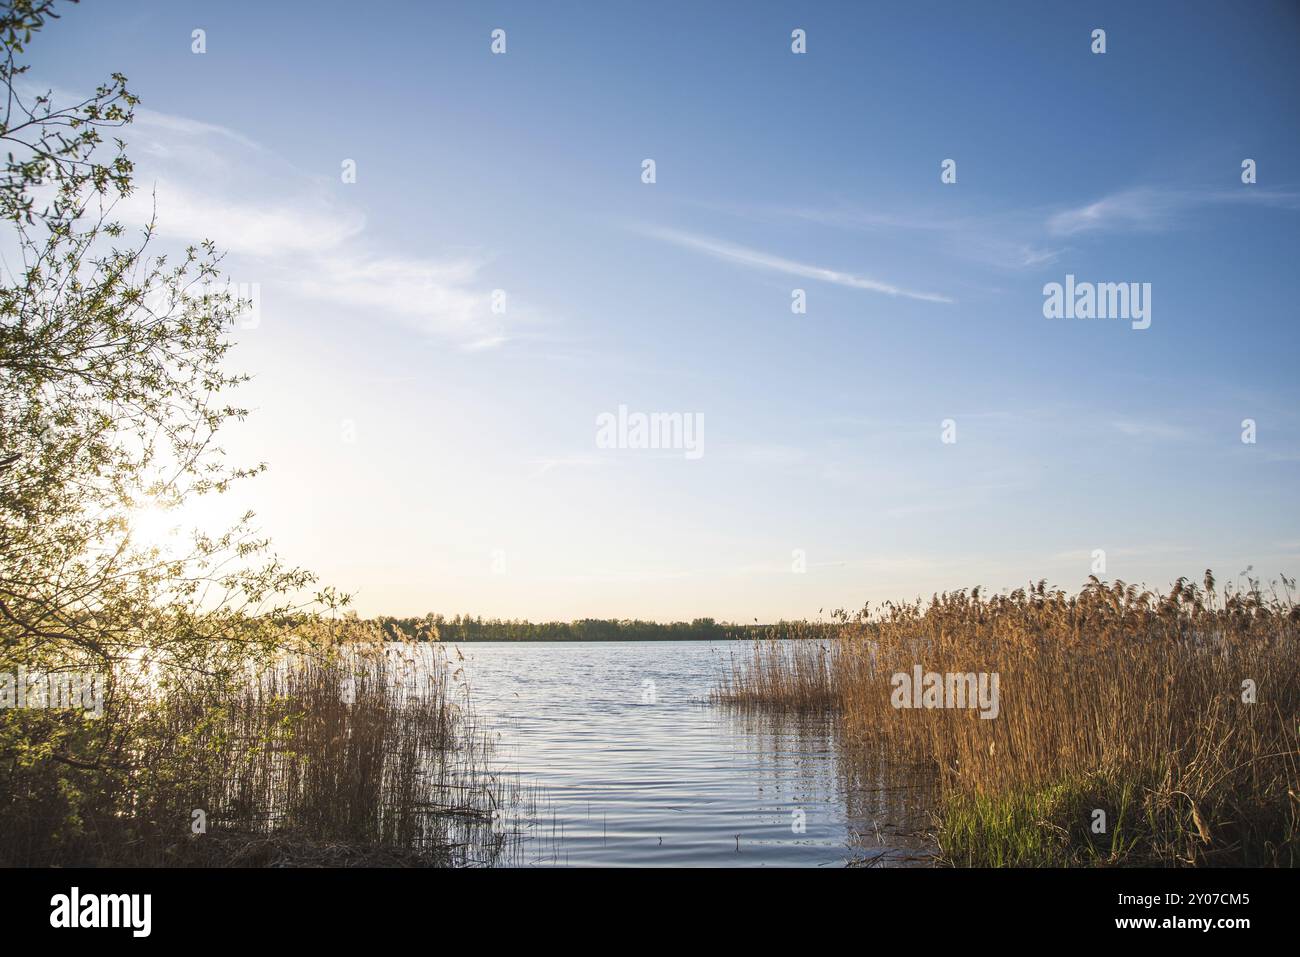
[(1116, 699)]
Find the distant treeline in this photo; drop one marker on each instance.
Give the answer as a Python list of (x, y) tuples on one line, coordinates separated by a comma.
[(467, 628)]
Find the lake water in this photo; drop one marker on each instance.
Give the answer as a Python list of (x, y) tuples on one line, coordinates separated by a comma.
[(633, 766)]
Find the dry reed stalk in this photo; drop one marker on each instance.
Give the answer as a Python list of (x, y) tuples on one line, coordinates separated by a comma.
[(1114, 698), (368, 753)]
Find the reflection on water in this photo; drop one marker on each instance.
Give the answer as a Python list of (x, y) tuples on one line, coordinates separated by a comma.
[(634, 767)]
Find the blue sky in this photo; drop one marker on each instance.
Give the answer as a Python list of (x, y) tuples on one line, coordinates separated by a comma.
[(430, 454)]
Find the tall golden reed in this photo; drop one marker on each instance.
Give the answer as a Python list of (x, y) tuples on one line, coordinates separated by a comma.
[(1175, 715)]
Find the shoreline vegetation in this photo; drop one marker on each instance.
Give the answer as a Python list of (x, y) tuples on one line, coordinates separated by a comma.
[(360, 755), (433, 628), (1133, 728), (228, 726)]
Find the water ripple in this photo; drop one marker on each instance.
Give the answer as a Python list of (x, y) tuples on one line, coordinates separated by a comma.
[(637, 770)]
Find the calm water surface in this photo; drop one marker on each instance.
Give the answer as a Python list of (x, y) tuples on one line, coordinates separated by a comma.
[(634, 767)]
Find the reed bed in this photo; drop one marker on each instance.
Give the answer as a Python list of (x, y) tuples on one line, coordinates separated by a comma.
[(1174, 715), (363, 756), (800, 675)]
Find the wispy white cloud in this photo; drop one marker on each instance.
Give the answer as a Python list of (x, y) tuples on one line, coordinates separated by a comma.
[(487, 342), (1136, 208), (744, 256), (184, 212), (1008, 241), (171, 125), (1148, 208), (435, 297), (1026, 238), (200, 180)]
